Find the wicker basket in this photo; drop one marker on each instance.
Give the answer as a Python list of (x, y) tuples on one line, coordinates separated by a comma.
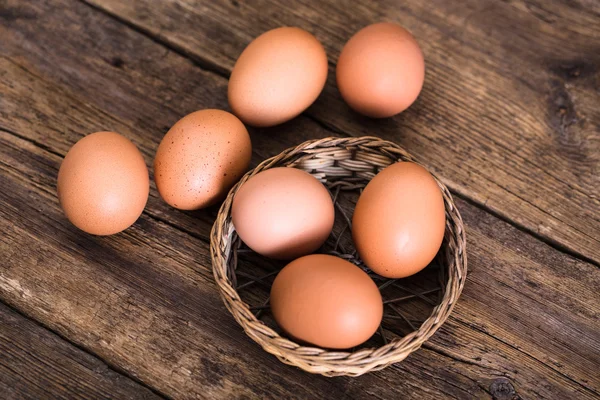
[(342, 164)]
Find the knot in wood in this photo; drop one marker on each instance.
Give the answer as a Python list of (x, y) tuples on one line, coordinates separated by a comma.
[(502, 389)]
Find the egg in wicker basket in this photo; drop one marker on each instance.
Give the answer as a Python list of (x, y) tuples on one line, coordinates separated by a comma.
[(414, 307)]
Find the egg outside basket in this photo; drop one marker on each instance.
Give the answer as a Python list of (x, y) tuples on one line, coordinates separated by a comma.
[(342, 164)]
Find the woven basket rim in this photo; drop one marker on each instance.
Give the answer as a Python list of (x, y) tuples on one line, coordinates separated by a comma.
[(313, 359)]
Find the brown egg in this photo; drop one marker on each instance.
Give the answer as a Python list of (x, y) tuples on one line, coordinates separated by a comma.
[(381, 70), (283, 213), (103, 183), (399, 220), (277, 77), (326, 301), (200, 158)]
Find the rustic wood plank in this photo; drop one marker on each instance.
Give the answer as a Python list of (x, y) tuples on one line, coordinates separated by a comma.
[(508, 116), (37, 364), (140, 292)]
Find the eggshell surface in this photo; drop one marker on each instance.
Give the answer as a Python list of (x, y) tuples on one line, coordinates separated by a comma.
[(399, 220), (326, 301), (277, 76), (200, 158), (283, 213), (380, 71), (103, 183)]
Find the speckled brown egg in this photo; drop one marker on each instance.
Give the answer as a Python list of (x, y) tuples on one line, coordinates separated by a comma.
[(399, 220), (380, 71), (326, 301), (200, 158), (283, 213), (103, 183), (277, 76)]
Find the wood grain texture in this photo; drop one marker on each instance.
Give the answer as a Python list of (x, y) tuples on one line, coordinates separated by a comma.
[(509, 113), (37, 364), (145, 300)]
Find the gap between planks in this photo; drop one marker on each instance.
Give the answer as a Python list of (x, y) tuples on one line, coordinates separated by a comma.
[(109, 365), (211, 67)]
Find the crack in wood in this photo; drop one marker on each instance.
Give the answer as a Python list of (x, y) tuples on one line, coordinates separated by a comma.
[(201, 62), (544, 239)]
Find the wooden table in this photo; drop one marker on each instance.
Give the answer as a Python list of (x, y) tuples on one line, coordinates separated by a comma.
[(509, 117)]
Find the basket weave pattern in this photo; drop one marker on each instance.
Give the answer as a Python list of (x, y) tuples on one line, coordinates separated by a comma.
[(342, 164)]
